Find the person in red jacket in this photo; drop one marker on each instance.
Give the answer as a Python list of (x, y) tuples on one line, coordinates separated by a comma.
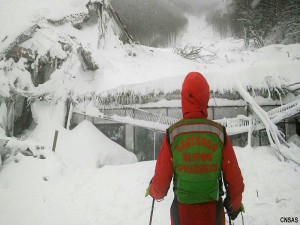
[(197, 154)]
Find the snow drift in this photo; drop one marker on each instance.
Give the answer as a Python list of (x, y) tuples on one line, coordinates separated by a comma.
[(87, 147)]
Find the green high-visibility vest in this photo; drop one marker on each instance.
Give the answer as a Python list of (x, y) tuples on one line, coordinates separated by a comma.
[(196, 146)]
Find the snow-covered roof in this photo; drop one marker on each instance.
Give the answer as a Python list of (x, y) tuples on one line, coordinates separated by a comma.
[(17, 16)]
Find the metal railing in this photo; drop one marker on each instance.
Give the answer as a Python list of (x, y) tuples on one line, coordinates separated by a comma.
[(240, 124)]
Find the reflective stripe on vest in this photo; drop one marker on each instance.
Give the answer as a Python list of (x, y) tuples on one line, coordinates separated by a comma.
[(196, 128), (196, 146)]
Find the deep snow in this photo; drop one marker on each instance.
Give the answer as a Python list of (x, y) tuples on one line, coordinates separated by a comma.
[(60, 191)]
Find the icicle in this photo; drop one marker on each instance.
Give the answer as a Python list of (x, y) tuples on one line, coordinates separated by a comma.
[(35, 70), (280, 98), (69, 115), (250, 131)]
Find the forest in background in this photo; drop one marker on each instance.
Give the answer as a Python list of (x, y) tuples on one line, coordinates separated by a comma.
[(261, 22), (264, 22)]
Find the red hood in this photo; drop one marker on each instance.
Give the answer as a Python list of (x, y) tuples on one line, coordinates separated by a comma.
[(194, 96)]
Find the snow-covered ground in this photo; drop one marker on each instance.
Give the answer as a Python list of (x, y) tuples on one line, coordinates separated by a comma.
[(83, 183), (66, 188)]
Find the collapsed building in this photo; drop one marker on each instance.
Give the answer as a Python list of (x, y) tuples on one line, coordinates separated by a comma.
[(30, 58)]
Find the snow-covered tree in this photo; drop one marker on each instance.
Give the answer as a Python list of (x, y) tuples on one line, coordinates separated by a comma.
[(263, 21)]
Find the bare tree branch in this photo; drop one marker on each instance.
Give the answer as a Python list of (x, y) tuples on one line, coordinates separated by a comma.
[(195, 53)]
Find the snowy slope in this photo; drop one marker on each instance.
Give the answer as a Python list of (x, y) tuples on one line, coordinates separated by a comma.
[(162, 70)]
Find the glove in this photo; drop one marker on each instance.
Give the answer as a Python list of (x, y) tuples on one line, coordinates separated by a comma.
[(230, 212), (242, 208), (147, 191)]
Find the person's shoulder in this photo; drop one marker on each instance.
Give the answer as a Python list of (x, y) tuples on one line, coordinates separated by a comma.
[(174, 125), (216, 124)]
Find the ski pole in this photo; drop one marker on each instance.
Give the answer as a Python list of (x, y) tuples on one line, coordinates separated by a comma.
[(229, 221), (151, 215)]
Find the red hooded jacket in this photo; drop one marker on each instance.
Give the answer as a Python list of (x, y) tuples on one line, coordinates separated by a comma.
[(194, 100)]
